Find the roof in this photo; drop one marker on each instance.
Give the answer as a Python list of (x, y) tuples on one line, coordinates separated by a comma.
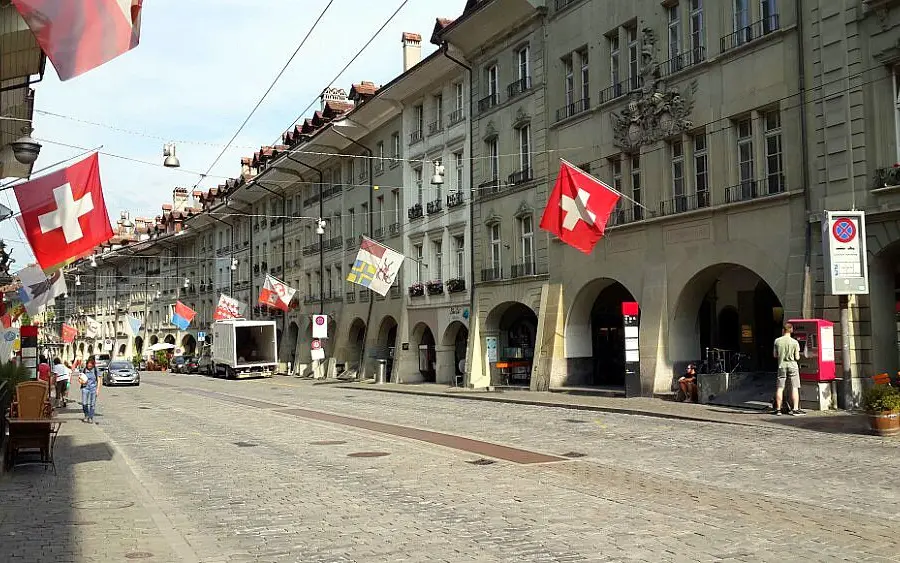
[(439, 25)]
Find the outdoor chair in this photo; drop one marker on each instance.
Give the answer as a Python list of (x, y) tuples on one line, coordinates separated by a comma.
[(31, 427)]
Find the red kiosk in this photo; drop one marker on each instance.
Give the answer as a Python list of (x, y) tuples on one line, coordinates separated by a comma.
[(817, 354)]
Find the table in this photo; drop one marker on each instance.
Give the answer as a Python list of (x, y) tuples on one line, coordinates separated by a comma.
[(32, 434)]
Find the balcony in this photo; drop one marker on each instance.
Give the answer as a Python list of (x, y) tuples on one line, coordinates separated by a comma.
[(489, 188), (886, 177), (684, 203), (526, 269), (488, 102), (435, 127), (623, 88), (415, 137), (310, 249), (395, 229), (563, 4), (333, 243), (520, 177), (750, 33), (492, 274), (682, 61), (755, 189), (379, 233), (434, 206), (625, 216), (455, 199), (518, 87), (350, 243), (457, 116), (379, 167), (350, 297), (415, 212), (573, 109)]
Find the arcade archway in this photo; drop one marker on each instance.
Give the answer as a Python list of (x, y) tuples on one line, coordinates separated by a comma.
[(425, 352), (386, 344), (356, 337), (169, 339), (513, 328), (138, 345), (452, 355), (154, 339), (189, 345), (290, 348)]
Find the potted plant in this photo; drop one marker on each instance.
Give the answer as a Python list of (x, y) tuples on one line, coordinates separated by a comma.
[(435, 287), (416, 290), (456, 285), (882, 405)]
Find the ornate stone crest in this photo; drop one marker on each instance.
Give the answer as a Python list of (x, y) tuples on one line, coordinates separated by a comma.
[(655, 111)]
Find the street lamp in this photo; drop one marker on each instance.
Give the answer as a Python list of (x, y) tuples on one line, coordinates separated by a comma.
[(171, 160), (93, 261)]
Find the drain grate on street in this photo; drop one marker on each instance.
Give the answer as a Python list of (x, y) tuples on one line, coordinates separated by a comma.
[(368, 454), (573, 455), (328, 443), (245, 444), (482, 461), (574, 421)]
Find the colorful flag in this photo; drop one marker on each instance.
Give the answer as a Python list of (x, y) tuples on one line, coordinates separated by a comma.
[(376, 266), (79, 35), (92, 327), (275, 293), (68, 333), (63, 214), (229, 308), (38, 291), (134, 325), (182, 315), (579, 208)]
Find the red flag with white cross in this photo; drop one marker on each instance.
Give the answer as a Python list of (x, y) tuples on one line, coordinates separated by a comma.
[(579, 208), (64, 215)]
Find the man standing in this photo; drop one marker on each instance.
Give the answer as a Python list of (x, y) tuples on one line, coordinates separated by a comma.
[(787, 352)]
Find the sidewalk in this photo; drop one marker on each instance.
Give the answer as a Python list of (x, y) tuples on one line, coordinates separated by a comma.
[(838, 422), (93, 509)]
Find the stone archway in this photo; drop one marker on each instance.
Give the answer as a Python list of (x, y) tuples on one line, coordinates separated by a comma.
[(169, 339), (290, 345), (426, 357), (451, 356), (188, 345), (884, 308), (122, 349), (513, 327), (138, 345), (355, 338), (154, 339), (595, 335), (385, 345)]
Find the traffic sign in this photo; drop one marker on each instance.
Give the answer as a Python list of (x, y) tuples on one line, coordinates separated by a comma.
[(844, 230), (846, 265), (201, 336), (316, 351), (320, 326)]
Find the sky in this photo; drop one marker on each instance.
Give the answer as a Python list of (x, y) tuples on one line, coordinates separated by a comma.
[(200, 68)]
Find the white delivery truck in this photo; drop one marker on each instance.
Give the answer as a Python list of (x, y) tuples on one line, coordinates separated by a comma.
[(242, 348)]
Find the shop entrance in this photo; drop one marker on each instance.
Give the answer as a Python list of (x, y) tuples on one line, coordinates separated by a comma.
[(515, 326), (426, 353)]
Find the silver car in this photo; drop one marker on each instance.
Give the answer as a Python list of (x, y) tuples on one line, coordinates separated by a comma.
[(121, 373)]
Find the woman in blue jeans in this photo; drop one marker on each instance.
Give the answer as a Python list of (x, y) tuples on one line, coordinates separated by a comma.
[(90, 386)]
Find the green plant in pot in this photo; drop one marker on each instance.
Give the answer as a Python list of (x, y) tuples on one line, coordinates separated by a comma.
[(882, 405)]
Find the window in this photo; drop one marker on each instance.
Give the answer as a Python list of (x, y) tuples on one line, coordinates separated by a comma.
[(741, 14), (701, 170), (674, 30), (697, 40), (330, 288), (351, 214), (396, 196), (364, 219), (585, 75), (418, 118), (417, 179), (526, 244), (678, 176), (522, 56), (634, 70), (745, 156), (437, 187), (395, 143), (351, 166), (614, 58), (496, 248), (459, 95), (309, 285), (774, 164), (459, 243), (439, 110), (492, 83), (417, 250), (769, 11), (438, 247), (494, 159), (636, 187), (379, 213), (458, 171), (379, 149), (569, 71), (524, 135)]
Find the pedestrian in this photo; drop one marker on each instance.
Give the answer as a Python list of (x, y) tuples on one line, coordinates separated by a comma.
[(61, 371), (687, 384), (787, 352), (90, 388)]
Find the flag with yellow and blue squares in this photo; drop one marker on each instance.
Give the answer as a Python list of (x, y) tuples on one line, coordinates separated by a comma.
[(376, 266)]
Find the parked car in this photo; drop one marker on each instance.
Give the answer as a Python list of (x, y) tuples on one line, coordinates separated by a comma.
[(177, 364), (102, 361), (120, 372), (191, 365)]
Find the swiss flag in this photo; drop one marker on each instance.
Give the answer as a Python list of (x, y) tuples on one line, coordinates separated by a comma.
[(578, 208), (63, 214)]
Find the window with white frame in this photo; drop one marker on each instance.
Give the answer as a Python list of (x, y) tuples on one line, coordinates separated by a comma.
[(364, 218), (379, 149), (673, 13), (745, 159), (522, 64), (459, 96), (418, 118), (351, 215), (634, 57), (418, 252), (379, 214), (420, 189), (351, 167), (438, 263), (636, 190), (678, 176), (614, 55), (741, 14), (698, 40), (493, 78), (526, 244), (774, 153), (439, 110), (524, 137), (615, 166), (459, 243), (329, 289), (585, 76), (569, 72), (395, 194), (701, 169), (496, 249), (493, 158), (458, 171), (395, 146), (437, 187)]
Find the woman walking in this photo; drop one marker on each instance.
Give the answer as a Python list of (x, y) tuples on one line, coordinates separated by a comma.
[(90, 387), (61, 371)]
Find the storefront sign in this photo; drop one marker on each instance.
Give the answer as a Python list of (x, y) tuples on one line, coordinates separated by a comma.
[(844, 241), (490, 346), (458, 314)]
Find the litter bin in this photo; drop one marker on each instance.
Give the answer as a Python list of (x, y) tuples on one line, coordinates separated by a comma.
[(381, 371)]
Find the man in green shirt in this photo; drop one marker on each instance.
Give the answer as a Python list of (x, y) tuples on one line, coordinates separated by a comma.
[(787, 352)]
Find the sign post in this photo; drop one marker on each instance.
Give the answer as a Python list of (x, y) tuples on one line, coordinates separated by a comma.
[(630, 321)]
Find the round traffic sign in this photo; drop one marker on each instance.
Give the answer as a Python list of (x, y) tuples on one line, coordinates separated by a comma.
[(843, 230), (320, 320), (316, 344)]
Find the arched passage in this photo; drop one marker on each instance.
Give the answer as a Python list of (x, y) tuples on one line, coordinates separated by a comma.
[(290, 347), (154, 339), (169, 339), (122, 349), (451, 358), (513, 328), (425, 352), (81, 350), (595, 335), (189, 345), (884, 307), (355, 340), (386, 343), (726, 318), (90, 350), (138, 345)]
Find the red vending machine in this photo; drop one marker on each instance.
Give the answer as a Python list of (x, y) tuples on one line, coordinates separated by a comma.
[(816, 338)]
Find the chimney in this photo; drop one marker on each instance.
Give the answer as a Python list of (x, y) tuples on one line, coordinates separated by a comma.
[(412, 50), (179, 199)]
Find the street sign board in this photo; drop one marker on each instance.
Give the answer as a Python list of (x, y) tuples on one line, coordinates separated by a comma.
[(316, 350), (844, 251), (201, 336), (320, 326)]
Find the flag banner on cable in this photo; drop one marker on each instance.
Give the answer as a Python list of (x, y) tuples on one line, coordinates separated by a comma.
[(68, 333), (80, 35), (38, 291), (275, 293), (91, 327), (8, 337), (134, 325), (64, 214), (182, 315), (578, 208), (229, 308), (376, 266)]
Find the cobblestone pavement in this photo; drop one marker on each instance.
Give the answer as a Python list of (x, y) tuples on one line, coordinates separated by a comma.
[(248, 482)]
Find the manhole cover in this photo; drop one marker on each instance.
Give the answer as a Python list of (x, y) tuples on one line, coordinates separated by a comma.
[(574, 454), (245, 445), (102, 504), (575, 421), (138, 555), (328, 443), (368, 454), (482, 461)]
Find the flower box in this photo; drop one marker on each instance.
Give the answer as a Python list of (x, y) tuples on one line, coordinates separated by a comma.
[(435, 287), (416, 290), (456, 285)]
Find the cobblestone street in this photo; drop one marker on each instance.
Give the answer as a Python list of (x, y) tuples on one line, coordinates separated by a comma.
[(197, 469)]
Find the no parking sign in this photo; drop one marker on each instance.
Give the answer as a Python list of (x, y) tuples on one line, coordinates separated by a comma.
[(316, 350), (320, 326)]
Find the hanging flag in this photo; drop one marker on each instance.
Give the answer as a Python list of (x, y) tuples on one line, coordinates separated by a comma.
[(63, 214), (92, 327), (229, 308), (18, 310), (134, 325), (275, 293), (38, 291), (579, 208), (79, 35), (68, 333), (376, 266), (182, 315)]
